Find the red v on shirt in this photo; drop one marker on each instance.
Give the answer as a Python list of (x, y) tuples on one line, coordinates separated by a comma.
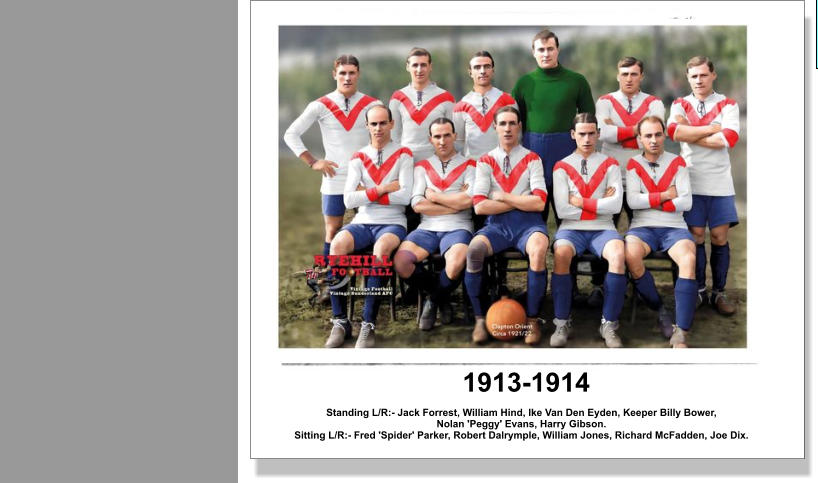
[(587, 190), (420, 115), (655, 189), (693, 117), (378, 174), (636, 116), (347, 120), (484, 122), (508, 183), (443, 184)]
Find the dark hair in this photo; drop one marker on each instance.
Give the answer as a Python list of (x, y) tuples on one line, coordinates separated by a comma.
[(545, 34), (584, 118), (419, 51), (481, 53), (507, 109), (441, 120), (346, 59), (649, 119), (629, 61), (699, 60), (376, 106)]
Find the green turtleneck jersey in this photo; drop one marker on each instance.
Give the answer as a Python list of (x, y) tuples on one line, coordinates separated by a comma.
[(550, 98)]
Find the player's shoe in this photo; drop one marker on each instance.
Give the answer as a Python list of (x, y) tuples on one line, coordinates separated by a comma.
[(480, 334), (679, 338), (722, 304), (596, 297), (564, 331), (341, 331), (446, 313), (428, 315), (702, 298), (323, 295), (607, 330), (366, 337), (534, 331), (666, 320)]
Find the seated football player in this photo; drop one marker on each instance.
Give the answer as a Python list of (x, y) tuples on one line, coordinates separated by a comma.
[(587, 193), (442, 196), (509, 187), (379, 184), (659, 192)]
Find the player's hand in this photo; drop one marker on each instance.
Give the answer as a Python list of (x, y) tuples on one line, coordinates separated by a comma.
[(671, 193), (325, 166), (390, 187), (465, 187), (430, 194), (575, 200), (360, 188), (682, 120), (498, 195), (608, 122), (715, 128), (609, 192)]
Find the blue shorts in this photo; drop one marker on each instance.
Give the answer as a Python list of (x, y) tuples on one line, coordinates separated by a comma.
[(586, 240), (712, 211), (366, 235), (333, 205), (512, 229), (551, 147), (658, 238), (432, 240)]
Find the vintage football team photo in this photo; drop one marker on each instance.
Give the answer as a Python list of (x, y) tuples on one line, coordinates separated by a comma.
[(512, 187)]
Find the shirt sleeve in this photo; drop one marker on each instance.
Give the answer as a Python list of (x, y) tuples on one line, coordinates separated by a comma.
[(459, 130), (397, 129), (675, 109), (468, 178), (352, 197), (607, 132), (482, 182), (292, 136), (585, 101), (519, 97), (419, 186), (562, 191), (612, 204), (536, 179), (406, 180), (636, 199), (684, 195), (730, 124)]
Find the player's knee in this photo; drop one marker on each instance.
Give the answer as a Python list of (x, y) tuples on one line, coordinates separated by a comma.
[(562, 258), (404, 263), (331, 230), (718, 238), (339, 245), (615, 254), (698, 236), (475, 255)]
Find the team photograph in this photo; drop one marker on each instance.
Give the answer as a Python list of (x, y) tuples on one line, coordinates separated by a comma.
[(512, 187)]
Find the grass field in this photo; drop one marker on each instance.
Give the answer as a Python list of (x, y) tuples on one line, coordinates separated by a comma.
[(301, 234)]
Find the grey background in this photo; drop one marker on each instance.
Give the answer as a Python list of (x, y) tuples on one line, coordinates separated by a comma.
[(119, 252)]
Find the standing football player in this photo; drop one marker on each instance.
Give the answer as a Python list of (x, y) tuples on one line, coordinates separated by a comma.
[(587, 193), (379, 184), (474, 114), (706, 124), (414, 106), (442, 195), (343, 130)]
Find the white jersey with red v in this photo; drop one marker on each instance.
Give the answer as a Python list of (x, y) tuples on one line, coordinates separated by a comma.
[(709, 168), (343, 130), (519, 172), (588, 178), (370, 168), (473, 119), (449, 177), (647, 181), (413, 111), (618, 140)]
